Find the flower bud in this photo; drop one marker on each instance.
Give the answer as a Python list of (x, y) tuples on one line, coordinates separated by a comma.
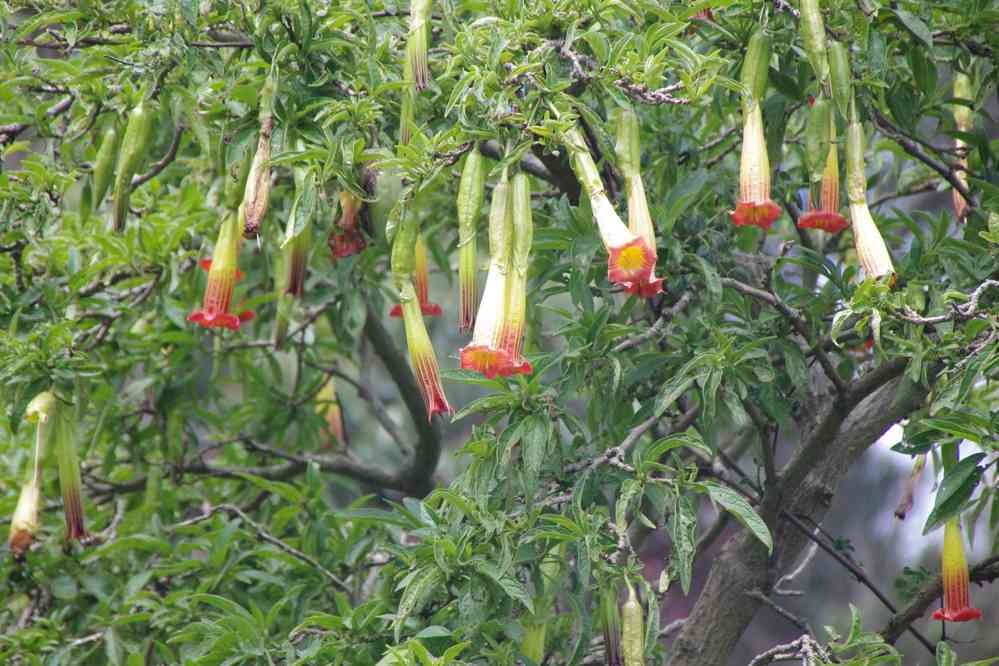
[(470, 195), (256, 196), (840, 76), (104, 165), (813, 36), (962, 122), (134, 147), (632, 630), (755, 67)]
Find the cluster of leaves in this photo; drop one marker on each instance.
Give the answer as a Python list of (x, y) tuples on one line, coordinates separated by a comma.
[(609, 442)]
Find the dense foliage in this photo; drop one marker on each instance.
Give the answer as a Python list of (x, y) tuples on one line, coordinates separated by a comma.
[(260, 480)]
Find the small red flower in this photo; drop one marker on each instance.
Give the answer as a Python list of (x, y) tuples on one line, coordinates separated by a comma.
[(222, 276), (826, 217), (421, 279), (957, 598), (346, 239)]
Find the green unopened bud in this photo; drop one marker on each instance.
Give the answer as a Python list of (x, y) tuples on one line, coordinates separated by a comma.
[(104, 165), (612, 624), (817, 136), (755, 67), (471, 191), (813, 35), (841, 77), (134, 146)]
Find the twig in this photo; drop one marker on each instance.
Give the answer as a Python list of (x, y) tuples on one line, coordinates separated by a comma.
[(170, 156), (780, 610), (642, 93), (658, 328), (264, 535), (10, 132), (958, 313)]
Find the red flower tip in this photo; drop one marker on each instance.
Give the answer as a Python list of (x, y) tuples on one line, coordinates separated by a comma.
[(645, 289), (396, 311), (827, 221), (347, 244), (811, 101), (429, 309), (490, 361), (751, 213), (965, 614), (212, 319)]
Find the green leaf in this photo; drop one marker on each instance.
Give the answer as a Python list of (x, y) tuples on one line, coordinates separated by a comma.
[(915, 25), (955, 489), (510, 585), (737, 505)]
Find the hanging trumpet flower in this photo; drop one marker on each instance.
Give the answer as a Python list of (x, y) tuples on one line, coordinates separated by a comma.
[(485, 353), (824, 189), (962, 122), (25, 523), (629, 157), (416, 44), (256, 196), (957, 598), (871, 248), (631, 259), (421, 352), (422, 280), (346, 239), (328, 407), (755, 206), (470, 193), (295, 251), (222, 277), (512, 335)]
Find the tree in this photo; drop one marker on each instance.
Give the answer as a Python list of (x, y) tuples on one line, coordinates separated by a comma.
[(676, 341)]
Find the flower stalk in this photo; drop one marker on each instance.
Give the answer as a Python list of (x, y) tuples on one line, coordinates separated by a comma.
[(222, 276), (629, 155), (630, 260), (470, 194)]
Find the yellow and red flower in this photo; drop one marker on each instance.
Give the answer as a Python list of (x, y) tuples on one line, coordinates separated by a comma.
[(957, 598), (222, 277), (512, 333), (871, 248), (486, 353), (328, 407), (629, 155), (826, 217), (754, 208), (421, 353), (422, 280)]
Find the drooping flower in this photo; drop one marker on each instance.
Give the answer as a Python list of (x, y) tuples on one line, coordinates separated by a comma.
[(754, 208), (222, 276), (512, 334), (25, 522), (628, 150), (871, 248), (421, 351), (631, 259), (416, 43), (421, 278), (294, 259), (957, 598), (346, 239), (470, 195), (485, 353), (826, 216), (256, 196), (962, 122), (328, 407)]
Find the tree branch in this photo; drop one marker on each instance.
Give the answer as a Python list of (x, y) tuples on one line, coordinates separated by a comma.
[(170, 156), (8, 133)]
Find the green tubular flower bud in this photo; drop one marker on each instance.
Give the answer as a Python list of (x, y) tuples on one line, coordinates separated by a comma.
[(104, 166), (470, 195), (856, 179), (632, 630), (817, 137), (612, 624), (417, 69), (755, 67), (628, 146), (134, 146), (840, 77), (813, 34)]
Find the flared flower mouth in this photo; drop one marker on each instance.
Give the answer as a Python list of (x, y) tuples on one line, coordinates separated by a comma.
[(871, 249), (646, 289), (828, 221), (421, 354), (487, 360), (631, 262), (214, 312), (347, 244), (957, 597), (760, 214)]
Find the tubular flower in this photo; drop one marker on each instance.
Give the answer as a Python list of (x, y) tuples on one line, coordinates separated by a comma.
[(639, 219), (631, 259), (222, 276), (422, 279), (348, 240), (871, 248), (512, 332), (328, 407), (962, 122), (957, 598), (470, 193), (421, 352), (485, 353), (754, 206), (256, 196), (826, 217), (295, 255), (24, 524), (416, 44)]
